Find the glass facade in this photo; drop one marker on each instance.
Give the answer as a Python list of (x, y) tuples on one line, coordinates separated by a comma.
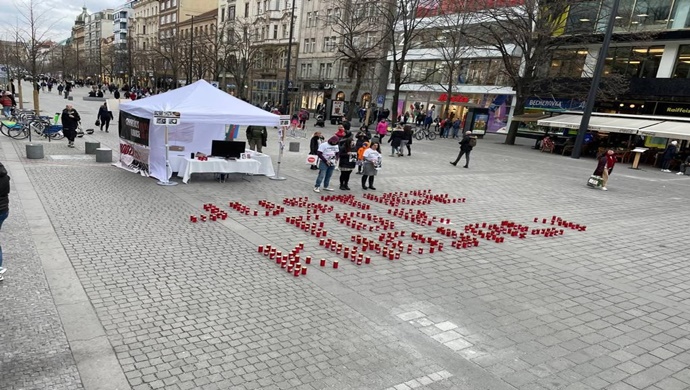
[(632, 16), (567, 63), (642, 62), (682, 67)]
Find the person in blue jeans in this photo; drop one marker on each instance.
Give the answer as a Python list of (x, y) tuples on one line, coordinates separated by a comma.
[(328, 153), (4, 206)]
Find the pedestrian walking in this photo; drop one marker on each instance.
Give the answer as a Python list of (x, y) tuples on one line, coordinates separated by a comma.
[(104, 117), (466, 145), (68, 88), (396, 140), (60, 88), (371, 165), (328, 156), (669, 153), (407, 140), (257, 136), (314, 143), (6, 103), (347, 160), (456, 127), (382, 129), (70, 122), (4, 206), (116, 94), (605, 167)]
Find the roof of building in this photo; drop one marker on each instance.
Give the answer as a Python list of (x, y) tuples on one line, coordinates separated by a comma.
[(83, 15)]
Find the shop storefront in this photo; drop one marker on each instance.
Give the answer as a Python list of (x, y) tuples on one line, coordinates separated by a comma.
[(315, 93)]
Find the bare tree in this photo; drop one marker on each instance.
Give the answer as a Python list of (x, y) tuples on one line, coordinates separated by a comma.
[(239, 53), (362, 41), (37, 21), (170, 52), (449, 36), (405, 20)]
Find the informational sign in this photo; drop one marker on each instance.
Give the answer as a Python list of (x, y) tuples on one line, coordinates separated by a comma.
[(380, 99), (285, 120), (338, 108), (134, 128), (166, 118)]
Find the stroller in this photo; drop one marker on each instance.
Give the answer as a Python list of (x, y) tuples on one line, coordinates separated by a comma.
[(320, 121)]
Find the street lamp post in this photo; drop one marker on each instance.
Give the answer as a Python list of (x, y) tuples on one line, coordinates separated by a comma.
[(596, 79), (191, 49), (286, 88)]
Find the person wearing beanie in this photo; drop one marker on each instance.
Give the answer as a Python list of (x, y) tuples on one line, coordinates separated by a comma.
[(669, 153), (328, 155)]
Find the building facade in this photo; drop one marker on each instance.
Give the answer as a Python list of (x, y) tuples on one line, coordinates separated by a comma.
[(76, 45), (145, 38), (323, 70), (199, 39), (122, 41), (97, 26)]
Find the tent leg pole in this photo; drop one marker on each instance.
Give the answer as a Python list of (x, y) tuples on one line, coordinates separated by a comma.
[(281, 135), (166, 181)]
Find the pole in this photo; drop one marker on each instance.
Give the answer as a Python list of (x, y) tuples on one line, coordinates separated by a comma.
[(286, 88), (596, 79), (166, 181), (284, 123), (191, 49)]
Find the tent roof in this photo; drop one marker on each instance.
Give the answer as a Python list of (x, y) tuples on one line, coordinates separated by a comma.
[(201, 102)]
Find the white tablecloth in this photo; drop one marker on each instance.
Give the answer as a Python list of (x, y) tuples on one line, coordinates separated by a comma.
[(217, 165), (177, 159)]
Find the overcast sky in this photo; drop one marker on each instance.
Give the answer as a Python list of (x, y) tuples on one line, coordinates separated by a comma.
[(56, 17)]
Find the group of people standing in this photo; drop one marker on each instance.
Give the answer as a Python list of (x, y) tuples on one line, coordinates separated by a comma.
[(347, 152)]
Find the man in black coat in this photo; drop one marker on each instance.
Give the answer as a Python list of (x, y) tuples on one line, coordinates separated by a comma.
[(4, 205), (70, 122), (465, 148)]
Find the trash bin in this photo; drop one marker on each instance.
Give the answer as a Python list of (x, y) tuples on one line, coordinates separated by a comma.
[(294, 147), (34, 151)]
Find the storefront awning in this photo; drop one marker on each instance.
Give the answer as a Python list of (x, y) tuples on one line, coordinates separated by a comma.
[(668, 129), (599, 123), (531, 117)]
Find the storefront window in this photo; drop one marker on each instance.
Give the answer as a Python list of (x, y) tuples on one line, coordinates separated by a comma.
[(634, 61), (567, 63), (682, 68), (650, 14)]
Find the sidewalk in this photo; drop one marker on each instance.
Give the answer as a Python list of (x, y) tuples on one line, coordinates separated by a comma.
[(175, 305)]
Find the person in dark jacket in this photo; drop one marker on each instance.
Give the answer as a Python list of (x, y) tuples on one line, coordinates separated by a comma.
[(104, 116), (70, 122), (4, 205), (314, 143), (396, 140), (347, 160), (465, 148), (669, 153), (407, 139), (257, 136)]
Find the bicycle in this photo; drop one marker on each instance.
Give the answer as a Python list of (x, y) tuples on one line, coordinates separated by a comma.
[(422, 133)]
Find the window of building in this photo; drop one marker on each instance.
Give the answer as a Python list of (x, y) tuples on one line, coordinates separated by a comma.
[(174, 17), (329, 16), (231, 12), (567, 63), (283, 59), (285, 31), (222, 14), (303, 70), (266, 6), (582, 18), (309, 19), (305, 49), (275, 31), (322, 70), (316, 19), (144, 28), (652, 14), (326, 43), (329, 70), (174, 3), (258, 8), (680, 16), (634, 61), (246, 10), (313, 45), (682, 68), (162, 20)]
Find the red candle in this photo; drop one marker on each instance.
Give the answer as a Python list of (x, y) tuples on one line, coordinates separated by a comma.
[(335, 264), (322, 262), (261, 249), (304, 270), (421, 250), (307, 259)]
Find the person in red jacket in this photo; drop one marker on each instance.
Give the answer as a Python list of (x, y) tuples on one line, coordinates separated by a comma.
[(6, 102), (605, 167)]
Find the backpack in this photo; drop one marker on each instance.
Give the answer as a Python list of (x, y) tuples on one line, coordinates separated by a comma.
[(473, 141)]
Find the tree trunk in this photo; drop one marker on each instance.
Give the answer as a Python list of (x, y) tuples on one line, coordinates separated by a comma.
[(397, 81), (450, 93), (355, 93), (37, 108), (21, 95), (519, 109)]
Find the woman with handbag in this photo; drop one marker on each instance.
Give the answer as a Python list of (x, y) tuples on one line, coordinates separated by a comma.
[(314, 143), (104, 117), (347, 160), (372, 163)]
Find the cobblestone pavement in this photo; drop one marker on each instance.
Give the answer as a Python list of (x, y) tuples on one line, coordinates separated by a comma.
[(194, 306)]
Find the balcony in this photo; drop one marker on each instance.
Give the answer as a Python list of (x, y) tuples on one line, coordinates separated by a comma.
[(274, 15)]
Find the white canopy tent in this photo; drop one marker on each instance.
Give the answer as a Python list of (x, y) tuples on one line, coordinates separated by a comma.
[(204, 113)]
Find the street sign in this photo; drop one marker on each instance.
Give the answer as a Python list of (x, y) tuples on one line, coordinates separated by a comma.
[(166, 118), (380, 99)]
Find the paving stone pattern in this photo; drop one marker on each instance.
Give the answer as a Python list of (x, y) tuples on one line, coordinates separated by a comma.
[(34, 351), (194, 306)]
